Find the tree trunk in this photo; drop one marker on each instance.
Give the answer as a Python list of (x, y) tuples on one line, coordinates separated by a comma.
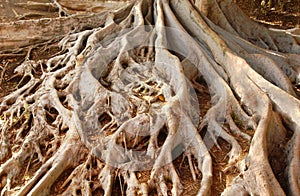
[(156, 97)]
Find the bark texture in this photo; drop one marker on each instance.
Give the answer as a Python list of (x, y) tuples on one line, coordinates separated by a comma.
[(122, 95)]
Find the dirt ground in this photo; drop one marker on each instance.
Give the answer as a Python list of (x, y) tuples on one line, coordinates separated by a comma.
[(280, 15)]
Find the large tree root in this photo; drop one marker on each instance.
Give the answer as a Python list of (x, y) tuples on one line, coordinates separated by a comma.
[(118, 103)]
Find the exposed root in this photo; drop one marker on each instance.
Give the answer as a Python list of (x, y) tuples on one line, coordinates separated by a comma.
[(118, 103)]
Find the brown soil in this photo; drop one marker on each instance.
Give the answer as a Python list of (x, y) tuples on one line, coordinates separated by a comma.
[(281, 15)]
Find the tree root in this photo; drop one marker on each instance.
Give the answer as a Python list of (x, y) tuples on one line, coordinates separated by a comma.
[(93, 118)]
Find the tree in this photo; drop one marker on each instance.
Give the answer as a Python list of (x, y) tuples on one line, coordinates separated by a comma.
[(122, 93)]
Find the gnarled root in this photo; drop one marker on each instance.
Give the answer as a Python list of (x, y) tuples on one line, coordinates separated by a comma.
[(114, 109)]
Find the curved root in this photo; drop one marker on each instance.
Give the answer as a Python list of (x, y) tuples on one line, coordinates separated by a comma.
[(95, 122)]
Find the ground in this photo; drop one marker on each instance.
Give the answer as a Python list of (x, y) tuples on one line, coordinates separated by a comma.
[(278, 16)]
